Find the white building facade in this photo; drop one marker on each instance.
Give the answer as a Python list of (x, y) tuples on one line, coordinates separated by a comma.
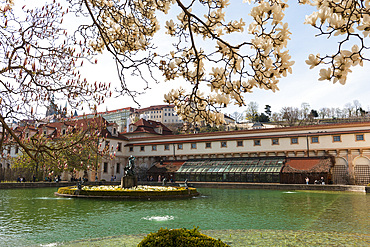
[(348, 143), (165, 114)]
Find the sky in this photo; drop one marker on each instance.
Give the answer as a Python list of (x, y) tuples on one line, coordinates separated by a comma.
[(302, 86)]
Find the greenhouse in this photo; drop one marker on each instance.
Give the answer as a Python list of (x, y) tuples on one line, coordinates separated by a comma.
[(254, 170)]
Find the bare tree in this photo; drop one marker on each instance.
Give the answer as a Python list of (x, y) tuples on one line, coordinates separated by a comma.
[(276, 117), (338, 112), (357, 107), (348, 109), (305, 110), (290, 115), (324, 112), (238, 116)]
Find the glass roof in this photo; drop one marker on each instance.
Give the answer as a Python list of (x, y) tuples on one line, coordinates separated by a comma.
[(247, 165)]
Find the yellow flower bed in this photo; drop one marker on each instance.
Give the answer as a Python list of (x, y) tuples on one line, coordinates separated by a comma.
[(141, 191), (138, 188)]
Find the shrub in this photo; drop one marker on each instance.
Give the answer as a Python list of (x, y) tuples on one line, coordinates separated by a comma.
[(180, 238)]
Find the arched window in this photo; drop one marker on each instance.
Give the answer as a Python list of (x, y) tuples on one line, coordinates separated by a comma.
[(340, 171), (362, 170)]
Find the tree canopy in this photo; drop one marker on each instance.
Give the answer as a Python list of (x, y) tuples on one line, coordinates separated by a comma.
[(204, 54), (71, 146)]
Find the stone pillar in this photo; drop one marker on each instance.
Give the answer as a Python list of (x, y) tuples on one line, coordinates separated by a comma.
[(351, 169), (128, 182)]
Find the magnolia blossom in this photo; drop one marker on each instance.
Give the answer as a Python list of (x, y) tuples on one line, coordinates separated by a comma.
[(340, 18), (325, 74), (313, 60), (229, 66)]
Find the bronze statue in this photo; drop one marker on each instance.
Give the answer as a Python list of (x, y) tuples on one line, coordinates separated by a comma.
[(129, 169), (129, 178)]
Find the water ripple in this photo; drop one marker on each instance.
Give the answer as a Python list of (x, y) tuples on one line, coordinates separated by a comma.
[(158, 218)]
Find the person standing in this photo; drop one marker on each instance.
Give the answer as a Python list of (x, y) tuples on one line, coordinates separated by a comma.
[(307, 180)]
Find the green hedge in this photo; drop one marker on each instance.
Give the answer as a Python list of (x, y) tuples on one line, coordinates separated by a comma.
[(179, 238), (73, 191)]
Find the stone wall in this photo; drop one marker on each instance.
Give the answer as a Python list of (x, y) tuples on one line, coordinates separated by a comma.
[(49, 184)]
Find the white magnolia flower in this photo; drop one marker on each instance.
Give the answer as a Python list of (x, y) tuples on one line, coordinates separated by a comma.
[(325, 74), (313, 60)]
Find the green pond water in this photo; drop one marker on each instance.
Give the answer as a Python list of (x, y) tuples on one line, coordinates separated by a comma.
[(34, 217)]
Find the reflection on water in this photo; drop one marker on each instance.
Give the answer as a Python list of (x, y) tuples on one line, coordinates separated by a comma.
[(159, 218), (35, 216)]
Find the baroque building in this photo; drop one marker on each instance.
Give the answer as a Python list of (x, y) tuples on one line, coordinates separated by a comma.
[(347, 146)]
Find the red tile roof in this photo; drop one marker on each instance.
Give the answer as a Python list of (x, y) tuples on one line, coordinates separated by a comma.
[(148, 126), (166, 166)]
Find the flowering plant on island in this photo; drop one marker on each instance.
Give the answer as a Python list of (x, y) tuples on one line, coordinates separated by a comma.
[(138, 188)]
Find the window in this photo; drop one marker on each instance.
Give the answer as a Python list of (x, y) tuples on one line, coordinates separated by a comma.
[(336, 139), (360, 137), (257, 142), (193, 146), (275, 141), (166, 147), (131, 149), (294, 140), (64, 132), (105, 167), (118, 168), (179, 146), (154, 148), (239, 143), (142, 148), (114, 131), (44, 132), (208, 145), (119, 147), (315, 139), (223, 144), (16, 149)]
